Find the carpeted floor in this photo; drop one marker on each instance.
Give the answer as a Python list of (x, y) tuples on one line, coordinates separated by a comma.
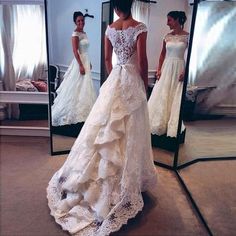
[(208, 138), (213, 186), (26, 167), (204, 138)]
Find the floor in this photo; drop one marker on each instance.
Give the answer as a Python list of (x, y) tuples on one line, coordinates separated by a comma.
[(204, 138), (26, 168)]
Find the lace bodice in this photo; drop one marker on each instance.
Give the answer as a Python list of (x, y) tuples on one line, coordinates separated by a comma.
[(83, 43), (124, 41), (176, 45)]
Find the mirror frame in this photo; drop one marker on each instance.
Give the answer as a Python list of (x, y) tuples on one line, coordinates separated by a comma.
[(52, 152), (49, 75), (103, 74), (192, 28), (174, 166), (102, 68)]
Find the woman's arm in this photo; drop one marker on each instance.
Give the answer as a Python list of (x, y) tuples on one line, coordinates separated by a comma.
[(182, 75), (108, 55), (161, 60), (142, 57), (75, 41)]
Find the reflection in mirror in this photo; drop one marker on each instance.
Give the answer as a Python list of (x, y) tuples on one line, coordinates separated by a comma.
[(74, 58), (166, 82), (210, 105), (107, 17), (23, 67)]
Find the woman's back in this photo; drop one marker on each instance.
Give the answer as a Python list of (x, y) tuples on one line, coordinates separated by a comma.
[(123, 38)]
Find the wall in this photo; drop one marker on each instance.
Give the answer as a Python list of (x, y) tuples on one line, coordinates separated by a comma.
[(158, 28), (60, 13), (61, 26)]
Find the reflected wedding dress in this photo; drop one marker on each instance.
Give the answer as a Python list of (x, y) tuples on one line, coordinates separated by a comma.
[(99, 186), (164, 102), (76, 94)]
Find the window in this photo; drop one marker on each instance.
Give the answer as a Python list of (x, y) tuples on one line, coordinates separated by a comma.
[(23, 42)]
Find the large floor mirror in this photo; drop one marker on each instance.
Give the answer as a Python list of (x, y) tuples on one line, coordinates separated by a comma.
[(70, 100), (209, 107), (206, 161), (165, 142)]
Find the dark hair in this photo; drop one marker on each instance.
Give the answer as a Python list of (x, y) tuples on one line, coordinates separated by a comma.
[(180, 15), (122, 5), (76, 14)]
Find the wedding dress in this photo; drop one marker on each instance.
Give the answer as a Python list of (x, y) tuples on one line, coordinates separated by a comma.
[(76, 94), (164, 102), (99, 186)]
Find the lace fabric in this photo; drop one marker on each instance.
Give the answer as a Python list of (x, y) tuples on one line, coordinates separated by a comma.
[(124, 41), (177, 38), (98, 189), (164, 102), (76, 94)]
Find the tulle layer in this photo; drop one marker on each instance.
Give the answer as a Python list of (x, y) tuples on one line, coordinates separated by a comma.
[(99, 187)]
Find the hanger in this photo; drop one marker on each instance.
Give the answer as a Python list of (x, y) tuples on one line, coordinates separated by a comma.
[(147, 1), (88, 15)]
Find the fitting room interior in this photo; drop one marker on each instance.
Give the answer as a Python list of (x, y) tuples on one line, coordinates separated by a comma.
[(196, 176)]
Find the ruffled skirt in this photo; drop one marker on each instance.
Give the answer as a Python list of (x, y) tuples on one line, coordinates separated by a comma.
[(99, 186)]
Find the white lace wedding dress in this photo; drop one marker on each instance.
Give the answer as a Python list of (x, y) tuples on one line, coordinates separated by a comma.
[(76, 94), (99, 186), (164, 102)]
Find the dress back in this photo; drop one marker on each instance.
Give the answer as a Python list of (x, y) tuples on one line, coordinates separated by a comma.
[(124, 42)]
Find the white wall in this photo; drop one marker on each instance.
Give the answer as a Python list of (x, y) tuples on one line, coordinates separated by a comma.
[(157, 26), (60, 13), (61, 26)]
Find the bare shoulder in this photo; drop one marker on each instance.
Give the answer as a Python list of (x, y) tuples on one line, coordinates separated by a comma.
[(116, 24), (135, 23)]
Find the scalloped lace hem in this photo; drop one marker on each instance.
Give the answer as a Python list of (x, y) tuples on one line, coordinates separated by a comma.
[(124, 210)]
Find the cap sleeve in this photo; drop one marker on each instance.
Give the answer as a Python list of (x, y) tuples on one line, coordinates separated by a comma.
[(166, 37), (140, 28), (108, 31), (75, 34)]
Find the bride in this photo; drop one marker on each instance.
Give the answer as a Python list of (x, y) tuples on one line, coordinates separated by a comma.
[(164, 102), (76, 95), (99, 186)]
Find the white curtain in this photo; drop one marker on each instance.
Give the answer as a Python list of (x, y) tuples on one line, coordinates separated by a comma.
[(29, 52), (141, 11), (6, 50), (7, 38), (23, 42), (23, 46)]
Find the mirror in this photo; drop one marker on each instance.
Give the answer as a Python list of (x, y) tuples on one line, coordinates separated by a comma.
[(209, 109), (23, 67), (107, 18), (162, 92), (72, 95)]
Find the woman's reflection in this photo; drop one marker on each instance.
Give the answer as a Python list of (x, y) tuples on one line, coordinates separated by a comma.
[(76, 94), (164, 102)]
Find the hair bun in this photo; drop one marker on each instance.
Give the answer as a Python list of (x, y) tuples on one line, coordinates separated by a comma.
[(182, 17)]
